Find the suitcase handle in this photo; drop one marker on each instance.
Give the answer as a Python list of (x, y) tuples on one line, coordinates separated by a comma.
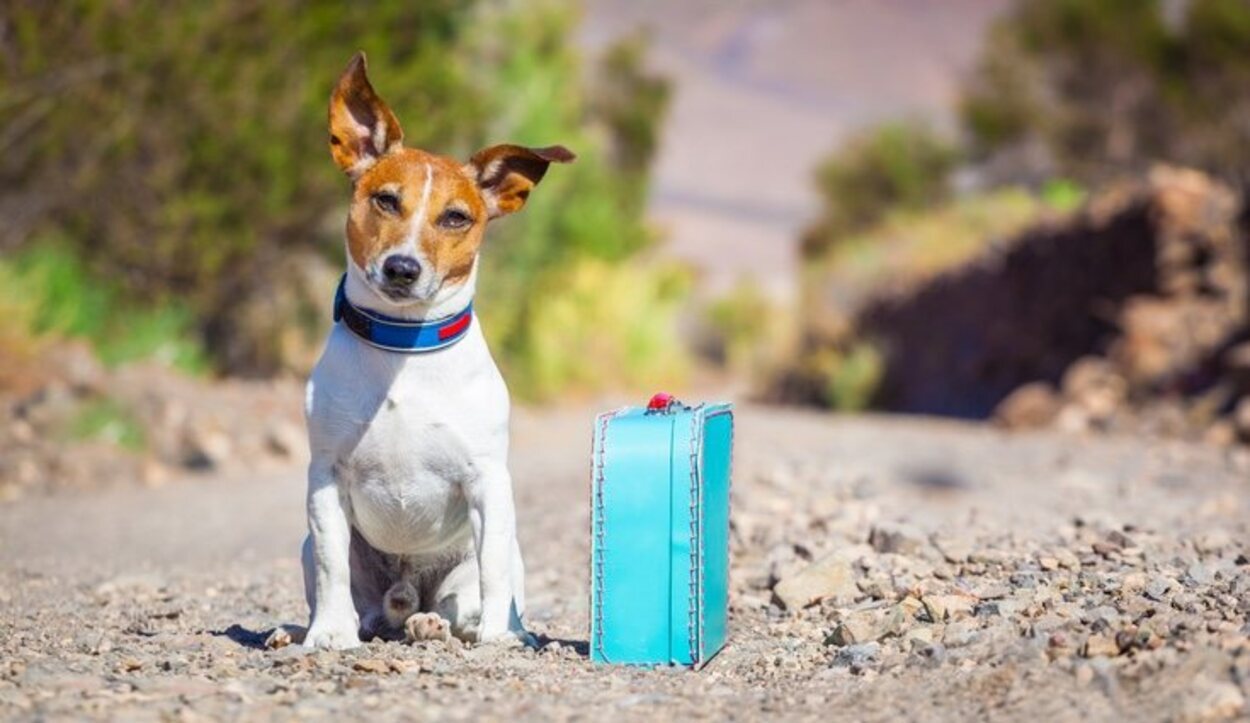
[(663, 403)]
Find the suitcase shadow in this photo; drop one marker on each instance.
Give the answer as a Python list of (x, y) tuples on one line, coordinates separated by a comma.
[(581, 647)]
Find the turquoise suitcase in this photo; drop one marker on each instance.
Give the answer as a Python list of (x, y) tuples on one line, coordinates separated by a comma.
[(660, 479)]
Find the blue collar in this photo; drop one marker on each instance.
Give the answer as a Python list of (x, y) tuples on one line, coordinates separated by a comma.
[(401, 335)]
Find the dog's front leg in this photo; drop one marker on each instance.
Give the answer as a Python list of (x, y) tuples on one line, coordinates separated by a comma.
[(334, 623), (494, 532)]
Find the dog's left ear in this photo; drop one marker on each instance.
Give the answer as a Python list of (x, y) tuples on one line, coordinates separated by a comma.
[(507, 173), (362, 126)]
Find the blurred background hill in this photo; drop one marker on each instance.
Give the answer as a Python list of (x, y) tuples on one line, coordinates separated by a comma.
[(1025, 211)]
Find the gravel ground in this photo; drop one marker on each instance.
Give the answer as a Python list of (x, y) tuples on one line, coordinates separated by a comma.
[(883, 568)]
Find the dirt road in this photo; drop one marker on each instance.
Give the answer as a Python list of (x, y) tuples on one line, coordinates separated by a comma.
[(966, 574)]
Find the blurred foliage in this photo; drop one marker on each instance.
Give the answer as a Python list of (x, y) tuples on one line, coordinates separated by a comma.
[(571, 249), (180, 150), (47, 293), (853, 376), (596, 324), (911, 246), (745, 331), (106, 420), (1094, 89), (879, 170)]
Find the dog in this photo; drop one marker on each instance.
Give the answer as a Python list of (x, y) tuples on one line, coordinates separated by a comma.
[(411, 523)]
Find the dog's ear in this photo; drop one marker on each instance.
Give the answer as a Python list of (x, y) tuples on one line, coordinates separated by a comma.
[(362, 126), (507, 173)]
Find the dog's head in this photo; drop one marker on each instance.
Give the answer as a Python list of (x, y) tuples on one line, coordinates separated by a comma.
[(416, 219)]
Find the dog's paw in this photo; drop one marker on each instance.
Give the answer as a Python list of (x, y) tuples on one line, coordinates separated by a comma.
[(426, 626), (285, 635), (332, 636)]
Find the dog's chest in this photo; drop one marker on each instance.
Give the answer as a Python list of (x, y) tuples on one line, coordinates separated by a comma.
[(406, 480)]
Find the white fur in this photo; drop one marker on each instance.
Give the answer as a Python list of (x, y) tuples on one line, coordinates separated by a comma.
[(410, 450)]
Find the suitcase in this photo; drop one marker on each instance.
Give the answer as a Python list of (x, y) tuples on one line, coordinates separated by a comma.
[(660, 479)]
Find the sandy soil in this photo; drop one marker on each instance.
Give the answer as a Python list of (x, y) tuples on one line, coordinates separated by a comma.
[(982, 575)]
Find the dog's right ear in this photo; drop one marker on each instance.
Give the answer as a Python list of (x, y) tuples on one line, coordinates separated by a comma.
[(362, 126)]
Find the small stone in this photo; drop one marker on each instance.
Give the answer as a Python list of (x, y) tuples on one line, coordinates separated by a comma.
[(918, 637), (853, 630), (1030, 406), (857, 657), (371, 665), (1100, 645), (1199, 575), (1067, 559), (959, 634), (1048, 563), (898, 538), (1157, 589), (1084, 675), (941, 608), (131, 664), (1132, 583), (284, 439), (828, 578), (1241, 419), (954, 549)]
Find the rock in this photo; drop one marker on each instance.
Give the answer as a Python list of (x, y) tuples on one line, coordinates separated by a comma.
[(917, 638), (1100, 645), (1158, 587), (1199, 575), (959, 634), (857, 657), (1031, 406), (865, 626), (1093, 384), (371, 665), (830, 577), (898, 538), (284, 439), (857, 628), (1241, 419), (941, 608), (954, 549), (206, 447)]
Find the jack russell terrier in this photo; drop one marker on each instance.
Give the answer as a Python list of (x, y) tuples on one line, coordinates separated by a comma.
[(411, 525)]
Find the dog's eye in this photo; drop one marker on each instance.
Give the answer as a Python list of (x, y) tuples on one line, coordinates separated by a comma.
[(453, 218), (386, 202)]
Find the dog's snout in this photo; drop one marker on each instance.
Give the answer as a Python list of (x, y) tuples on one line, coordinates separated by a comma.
[(401, 270)]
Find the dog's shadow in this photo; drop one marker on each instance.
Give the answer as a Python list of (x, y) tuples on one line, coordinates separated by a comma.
[(260, 639)]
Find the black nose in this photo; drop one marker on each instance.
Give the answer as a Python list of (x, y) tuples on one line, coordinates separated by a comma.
[(401, 270)]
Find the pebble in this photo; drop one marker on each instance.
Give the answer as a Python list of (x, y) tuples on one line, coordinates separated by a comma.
[(830, 577), (897, 538), (1100, 645), (959, 634), (857, 657), (1157, 589), (941, 608), (371, 665)]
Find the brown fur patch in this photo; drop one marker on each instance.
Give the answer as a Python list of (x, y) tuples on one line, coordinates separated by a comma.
[(372, 233)]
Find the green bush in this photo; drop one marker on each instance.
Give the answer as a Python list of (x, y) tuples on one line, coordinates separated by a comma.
[(180, 149), (1112, 86), (882, 169), (49, 294)]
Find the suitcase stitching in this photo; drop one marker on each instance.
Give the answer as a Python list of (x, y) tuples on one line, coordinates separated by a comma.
[(599, 531), (695, 616)]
